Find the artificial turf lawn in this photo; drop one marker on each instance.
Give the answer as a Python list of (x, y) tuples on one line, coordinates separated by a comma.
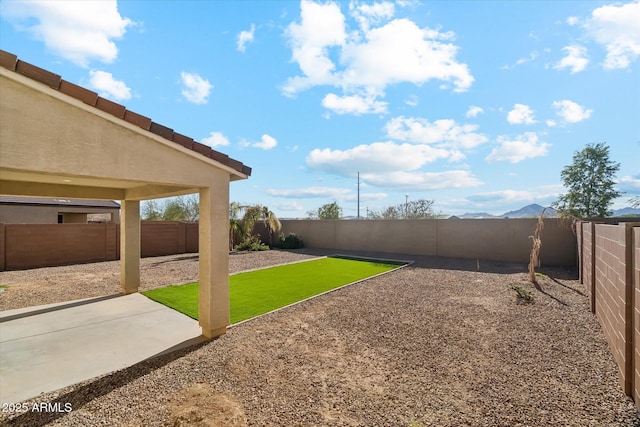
[(261, 291)]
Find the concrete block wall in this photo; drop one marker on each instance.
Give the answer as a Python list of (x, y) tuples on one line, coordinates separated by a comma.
[(191, 238), (504, 240), (587, 266), (612, 299), (25, 246), (610, 271), (2, 251), (41, 245), (636, 315), (167, 238), (162, 238)]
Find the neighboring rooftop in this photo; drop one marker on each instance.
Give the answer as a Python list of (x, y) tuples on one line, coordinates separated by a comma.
[(48, 201), (54, 81)]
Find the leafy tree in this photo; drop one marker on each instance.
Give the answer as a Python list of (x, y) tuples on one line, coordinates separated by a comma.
[(390, 212), (415, 209), (330, 211), (590, 180), (192, 208), (635, 202), (182, 208), (173, 211), (151, 210)]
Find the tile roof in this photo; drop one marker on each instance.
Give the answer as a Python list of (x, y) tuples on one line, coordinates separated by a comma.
[(12, 63), (19, 200)]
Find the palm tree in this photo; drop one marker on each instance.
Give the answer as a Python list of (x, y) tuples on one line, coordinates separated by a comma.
[(251, 215), (234, 222), (271, 223)]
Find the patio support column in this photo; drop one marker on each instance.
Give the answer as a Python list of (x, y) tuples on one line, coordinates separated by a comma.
[(130, 246), (213, 309)]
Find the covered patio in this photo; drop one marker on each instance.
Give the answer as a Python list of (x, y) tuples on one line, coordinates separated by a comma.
[(61, 140)]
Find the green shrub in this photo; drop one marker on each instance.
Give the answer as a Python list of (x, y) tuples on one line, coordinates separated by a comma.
[(292, 241), (252, 244), (522, 295)]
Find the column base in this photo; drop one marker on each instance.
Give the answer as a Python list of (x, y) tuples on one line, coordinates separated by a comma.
[(215, 333)]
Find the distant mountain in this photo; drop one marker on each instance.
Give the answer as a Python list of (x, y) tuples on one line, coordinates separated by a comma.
[(626, 212), (477, 215), (531, 211)]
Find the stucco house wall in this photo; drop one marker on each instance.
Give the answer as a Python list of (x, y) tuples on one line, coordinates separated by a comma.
[(59, 139), (31, 210)]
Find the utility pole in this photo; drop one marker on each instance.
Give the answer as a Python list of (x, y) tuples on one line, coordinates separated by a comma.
[(406, 206), (358, 195)]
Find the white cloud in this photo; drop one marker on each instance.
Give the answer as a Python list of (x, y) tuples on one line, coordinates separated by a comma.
[(408, 3), (629, 184), (266, 142), (289, 206), (617, 28), (322, 26), (196, 89), (456, 156), (551, 123), (109, 87), (576, 59), (79, 31), (245, 37), (311, 192), (503, 196), (473, 111), (444, 133), (325, 193), (532, 57), (215, 139), (370, 14), (375, 158), (423, 180), (366, 197), (572, 20), (412, 100), (412, 54), (327, 55), (570, 111), (353, 104), (521, 114), (543, 195), (499, 202), (395, 164), (525, 146)]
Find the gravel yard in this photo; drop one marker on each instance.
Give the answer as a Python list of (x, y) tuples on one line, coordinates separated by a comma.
[(437, 343)]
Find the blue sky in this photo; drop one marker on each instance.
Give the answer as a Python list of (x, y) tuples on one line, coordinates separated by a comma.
[(477, 105)]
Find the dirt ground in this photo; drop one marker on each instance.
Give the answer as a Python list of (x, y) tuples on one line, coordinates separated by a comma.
[(437, 343)]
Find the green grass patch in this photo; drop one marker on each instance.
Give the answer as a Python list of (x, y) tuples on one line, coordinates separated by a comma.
[(257, 292)]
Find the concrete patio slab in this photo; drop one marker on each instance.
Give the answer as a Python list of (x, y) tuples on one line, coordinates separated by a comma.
[(46, 348)]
